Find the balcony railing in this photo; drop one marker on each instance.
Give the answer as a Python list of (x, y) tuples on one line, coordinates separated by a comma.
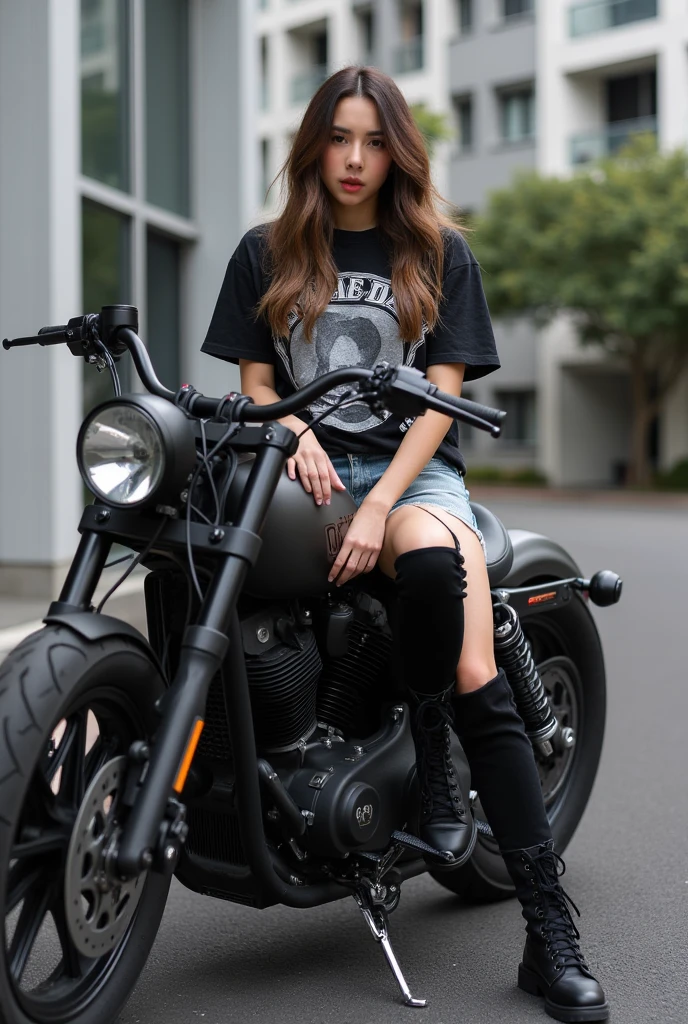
[(599, 15), (408, 56), (596, 145), (305, 83)]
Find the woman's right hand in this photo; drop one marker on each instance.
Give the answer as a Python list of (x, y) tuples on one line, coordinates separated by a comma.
[(315, 469)]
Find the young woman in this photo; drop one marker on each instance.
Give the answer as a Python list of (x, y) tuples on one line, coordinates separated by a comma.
[(361, 267)]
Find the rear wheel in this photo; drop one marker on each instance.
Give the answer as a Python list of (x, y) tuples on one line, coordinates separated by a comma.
[(567, 650), (73, 944)]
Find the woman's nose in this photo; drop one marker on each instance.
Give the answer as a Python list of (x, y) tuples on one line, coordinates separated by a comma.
[(355, 158)]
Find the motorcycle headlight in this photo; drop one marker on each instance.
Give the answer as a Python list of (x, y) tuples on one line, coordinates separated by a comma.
[(136, 449)]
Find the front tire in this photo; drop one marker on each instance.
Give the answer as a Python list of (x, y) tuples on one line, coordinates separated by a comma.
[(68, 709), (566, 647)]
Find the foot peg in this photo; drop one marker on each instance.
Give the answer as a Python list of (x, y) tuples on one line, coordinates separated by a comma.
[(419, 846), (376, 918)]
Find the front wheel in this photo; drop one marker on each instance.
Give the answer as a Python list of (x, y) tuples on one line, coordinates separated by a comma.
[(567, 651), (73, 944)]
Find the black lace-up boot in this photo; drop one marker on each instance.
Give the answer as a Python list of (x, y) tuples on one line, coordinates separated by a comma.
[(553, 965), (445, 824)]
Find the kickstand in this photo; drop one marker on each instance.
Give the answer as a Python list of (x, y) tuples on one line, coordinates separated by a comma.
[(376, 918)]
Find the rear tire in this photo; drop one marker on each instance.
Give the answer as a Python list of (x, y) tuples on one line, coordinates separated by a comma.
[(569, 633), (68, 707)]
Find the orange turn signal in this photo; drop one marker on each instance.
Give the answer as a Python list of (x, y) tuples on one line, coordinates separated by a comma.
[(188, 755)]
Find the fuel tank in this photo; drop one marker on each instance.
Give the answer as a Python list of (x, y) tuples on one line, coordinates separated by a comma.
[(300, 538)]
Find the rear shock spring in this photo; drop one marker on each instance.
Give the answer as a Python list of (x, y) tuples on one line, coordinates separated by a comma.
[(513, 653)]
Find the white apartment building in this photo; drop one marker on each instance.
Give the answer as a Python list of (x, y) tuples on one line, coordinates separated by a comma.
[(605, 69), (546, 84)]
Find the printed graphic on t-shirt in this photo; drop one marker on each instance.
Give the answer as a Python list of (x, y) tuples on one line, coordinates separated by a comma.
[(359, 328)]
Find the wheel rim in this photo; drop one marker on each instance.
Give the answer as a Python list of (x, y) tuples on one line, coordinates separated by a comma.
[(50, 977), (560, 680)]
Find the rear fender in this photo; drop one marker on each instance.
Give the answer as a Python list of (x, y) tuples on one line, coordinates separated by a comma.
[(537, 557)]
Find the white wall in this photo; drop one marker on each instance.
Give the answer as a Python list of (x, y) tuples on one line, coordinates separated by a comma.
[(40, 278)]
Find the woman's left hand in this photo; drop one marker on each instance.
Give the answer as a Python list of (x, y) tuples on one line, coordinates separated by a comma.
[(362, 544)]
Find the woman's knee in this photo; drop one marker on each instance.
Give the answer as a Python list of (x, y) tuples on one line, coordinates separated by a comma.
[(475, 668), (410, 529)]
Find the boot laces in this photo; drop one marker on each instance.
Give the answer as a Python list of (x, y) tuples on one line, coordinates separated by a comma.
[(441, 795), (558, 927)]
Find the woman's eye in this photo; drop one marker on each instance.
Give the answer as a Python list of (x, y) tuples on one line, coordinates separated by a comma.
[(377, 144), (338, 138)]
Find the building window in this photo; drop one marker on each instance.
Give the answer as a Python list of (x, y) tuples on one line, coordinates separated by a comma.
[(517, 114), (463, 108), (265, 170), (408, 55), (365, 23), (520, 425), (465, 16), (631, 109), (163, 320), (167, 104), (264, 75), (132, 239), (310, 55), (105, 118), (106, 281), (585, 18), (514, 8)]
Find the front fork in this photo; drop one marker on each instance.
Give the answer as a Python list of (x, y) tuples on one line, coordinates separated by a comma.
[(149, 838)]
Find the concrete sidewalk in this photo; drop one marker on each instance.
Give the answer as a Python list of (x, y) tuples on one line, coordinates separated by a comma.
[(483, 493)]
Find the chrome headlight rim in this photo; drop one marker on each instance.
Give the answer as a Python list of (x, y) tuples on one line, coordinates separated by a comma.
[(176, 437)]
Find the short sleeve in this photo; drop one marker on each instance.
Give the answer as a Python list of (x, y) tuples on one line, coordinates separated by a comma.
[(464, 332), (235, 331)]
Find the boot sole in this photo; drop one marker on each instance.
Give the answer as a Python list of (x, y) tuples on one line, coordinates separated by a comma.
[(459, 863), (529, 982)]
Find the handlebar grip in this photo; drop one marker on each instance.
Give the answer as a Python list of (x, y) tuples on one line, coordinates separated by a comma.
[(484, 412), (60, 329)]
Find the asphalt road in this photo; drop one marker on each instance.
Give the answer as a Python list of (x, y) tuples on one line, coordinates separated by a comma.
[(627, 866)]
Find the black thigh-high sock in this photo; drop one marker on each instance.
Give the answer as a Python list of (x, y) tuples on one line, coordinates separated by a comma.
[(429, 622), (502, 764)]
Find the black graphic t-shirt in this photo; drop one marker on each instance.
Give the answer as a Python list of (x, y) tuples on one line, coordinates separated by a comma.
[(358, 328)]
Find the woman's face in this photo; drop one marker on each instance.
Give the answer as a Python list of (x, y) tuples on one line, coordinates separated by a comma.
[(356, 160)]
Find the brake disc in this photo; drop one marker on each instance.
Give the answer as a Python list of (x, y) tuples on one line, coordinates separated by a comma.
[(98, 907)]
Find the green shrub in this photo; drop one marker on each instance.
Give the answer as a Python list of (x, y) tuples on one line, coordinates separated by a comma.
[(522, 476), (676, 479)]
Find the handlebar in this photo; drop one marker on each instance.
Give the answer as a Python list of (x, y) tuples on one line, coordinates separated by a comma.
[(403, 390)]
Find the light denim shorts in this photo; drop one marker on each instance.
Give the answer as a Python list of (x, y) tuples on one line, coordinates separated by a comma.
[(437, 484)]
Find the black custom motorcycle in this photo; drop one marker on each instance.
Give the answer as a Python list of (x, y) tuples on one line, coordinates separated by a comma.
[(257, 744)]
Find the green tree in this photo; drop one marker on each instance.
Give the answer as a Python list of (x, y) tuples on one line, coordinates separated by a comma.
[(610, 247), (433, 126)]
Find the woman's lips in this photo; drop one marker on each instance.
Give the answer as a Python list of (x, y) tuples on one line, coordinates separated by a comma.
[(349, 186)]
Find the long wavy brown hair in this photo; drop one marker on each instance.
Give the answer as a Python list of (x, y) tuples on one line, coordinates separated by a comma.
[(299, 242)]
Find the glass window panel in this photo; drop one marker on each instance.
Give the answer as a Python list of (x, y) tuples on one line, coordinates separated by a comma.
[(163, 328), (465, 15), (520, 424), (104, 91), (106, 281), (167, 104)]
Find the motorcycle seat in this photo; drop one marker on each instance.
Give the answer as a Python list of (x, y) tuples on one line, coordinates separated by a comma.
[(500, 553)]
